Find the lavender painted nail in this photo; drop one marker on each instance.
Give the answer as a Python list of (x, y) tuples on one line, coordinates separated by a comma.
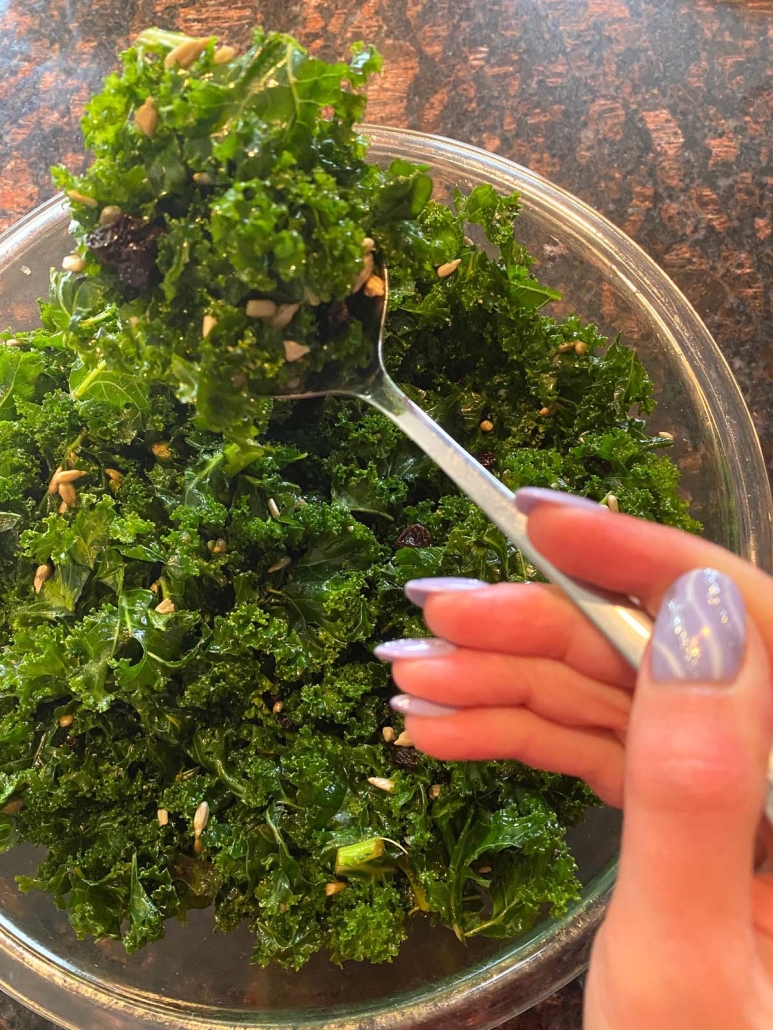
[(528, 497), (418, 590), (419, 647), (407, 704), (700, 631)]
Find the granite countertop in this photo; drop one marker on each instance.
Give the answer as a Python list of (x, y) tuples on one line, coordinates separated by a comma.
[(659, 113)]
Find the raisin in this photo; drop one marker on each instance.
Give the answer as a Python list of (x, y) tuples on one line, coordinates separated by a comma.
[(333, 319), (487, 459), (406, 757), (287, 724), (129, 246), (414, 536)]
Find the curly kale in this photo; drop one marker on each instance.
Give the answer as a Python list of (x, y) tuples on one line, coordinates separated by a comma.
[(192, 616)]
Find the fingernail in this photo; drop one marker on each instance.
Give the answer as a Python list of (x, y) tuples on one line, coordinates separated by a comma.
[(407, 704), (418, 590), (528, 497), (700, 631), (420, 647)]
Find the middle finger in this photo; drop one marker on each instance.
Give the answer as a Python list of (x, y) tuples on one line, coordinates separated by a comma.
[(477, 679)]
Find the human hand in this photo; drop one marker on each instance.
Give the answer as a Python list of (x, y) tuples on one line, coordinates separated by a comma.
[(528, 677), (688, 938)]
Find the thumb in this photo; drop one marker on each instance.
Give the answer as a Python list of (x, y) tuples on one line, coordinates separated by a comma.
[(697, 750)]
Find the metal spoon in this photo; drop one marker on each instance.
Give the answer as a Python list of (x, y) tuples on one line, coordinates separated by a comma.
[(625, 625)]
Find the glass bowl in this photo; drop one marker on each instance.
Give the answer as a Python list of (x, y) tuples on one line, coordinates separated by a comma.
[(196, 980)]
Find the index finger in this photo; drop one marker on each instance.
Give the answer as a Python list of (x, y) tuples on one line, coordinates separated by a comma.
[(639, 558), (526, 620)]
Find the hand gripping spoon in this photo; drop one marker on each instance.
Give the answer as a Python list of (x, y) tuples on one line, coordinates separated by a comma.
[(625, 625)]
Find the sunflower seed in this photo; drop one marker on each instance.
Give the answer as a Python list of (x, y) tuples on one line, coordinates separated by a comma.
[(334, 888), (42, 574), (382, 783), (224, 54), (81, 198), (203, 179), (208, 323), (220, 546), (295, 351), (260, 309), (611, 502), (163, 817), (166, 607), (374, 287), (67, 492), (279, 565), (278, 708), (146, 118), (285, 313), (434, 791), (388, 734), (581, 347), (53, 481), (162, 450), (448, 268), (73, 263), (109, 215), (665, 436), (70, 476), (273, 508), (186, 53), (365, 274), (566, 347), (113, 475), (404, 740), (200, 819)]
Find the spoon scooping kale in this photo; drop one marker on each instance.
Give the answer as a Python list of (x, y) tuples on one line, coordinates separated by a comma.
[(194, 576)]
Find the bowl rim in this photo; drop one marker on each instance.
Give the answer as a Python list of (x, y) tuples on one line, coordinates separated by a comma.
[(487, 992)]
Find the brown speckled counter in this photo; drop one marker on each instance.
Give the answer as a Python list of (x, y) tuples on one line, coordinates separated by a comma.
[(659, 113)]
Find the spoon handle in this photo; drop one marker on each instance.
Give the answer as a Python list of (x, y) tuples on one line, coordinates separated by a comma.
[(624, 624)]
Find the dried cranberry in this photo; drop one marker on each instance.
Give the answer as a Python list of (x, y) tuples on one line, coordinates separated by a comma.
[(287, 724), (129, 246), (414, 536), (487, 459)]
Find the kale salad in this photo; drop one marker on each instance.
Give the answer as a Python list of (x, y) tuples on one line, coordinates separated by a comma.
[(194, 576)]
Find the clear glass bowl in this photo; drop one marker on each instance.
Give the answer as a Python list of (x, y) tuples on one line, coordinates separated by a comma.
[(197, 979)]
